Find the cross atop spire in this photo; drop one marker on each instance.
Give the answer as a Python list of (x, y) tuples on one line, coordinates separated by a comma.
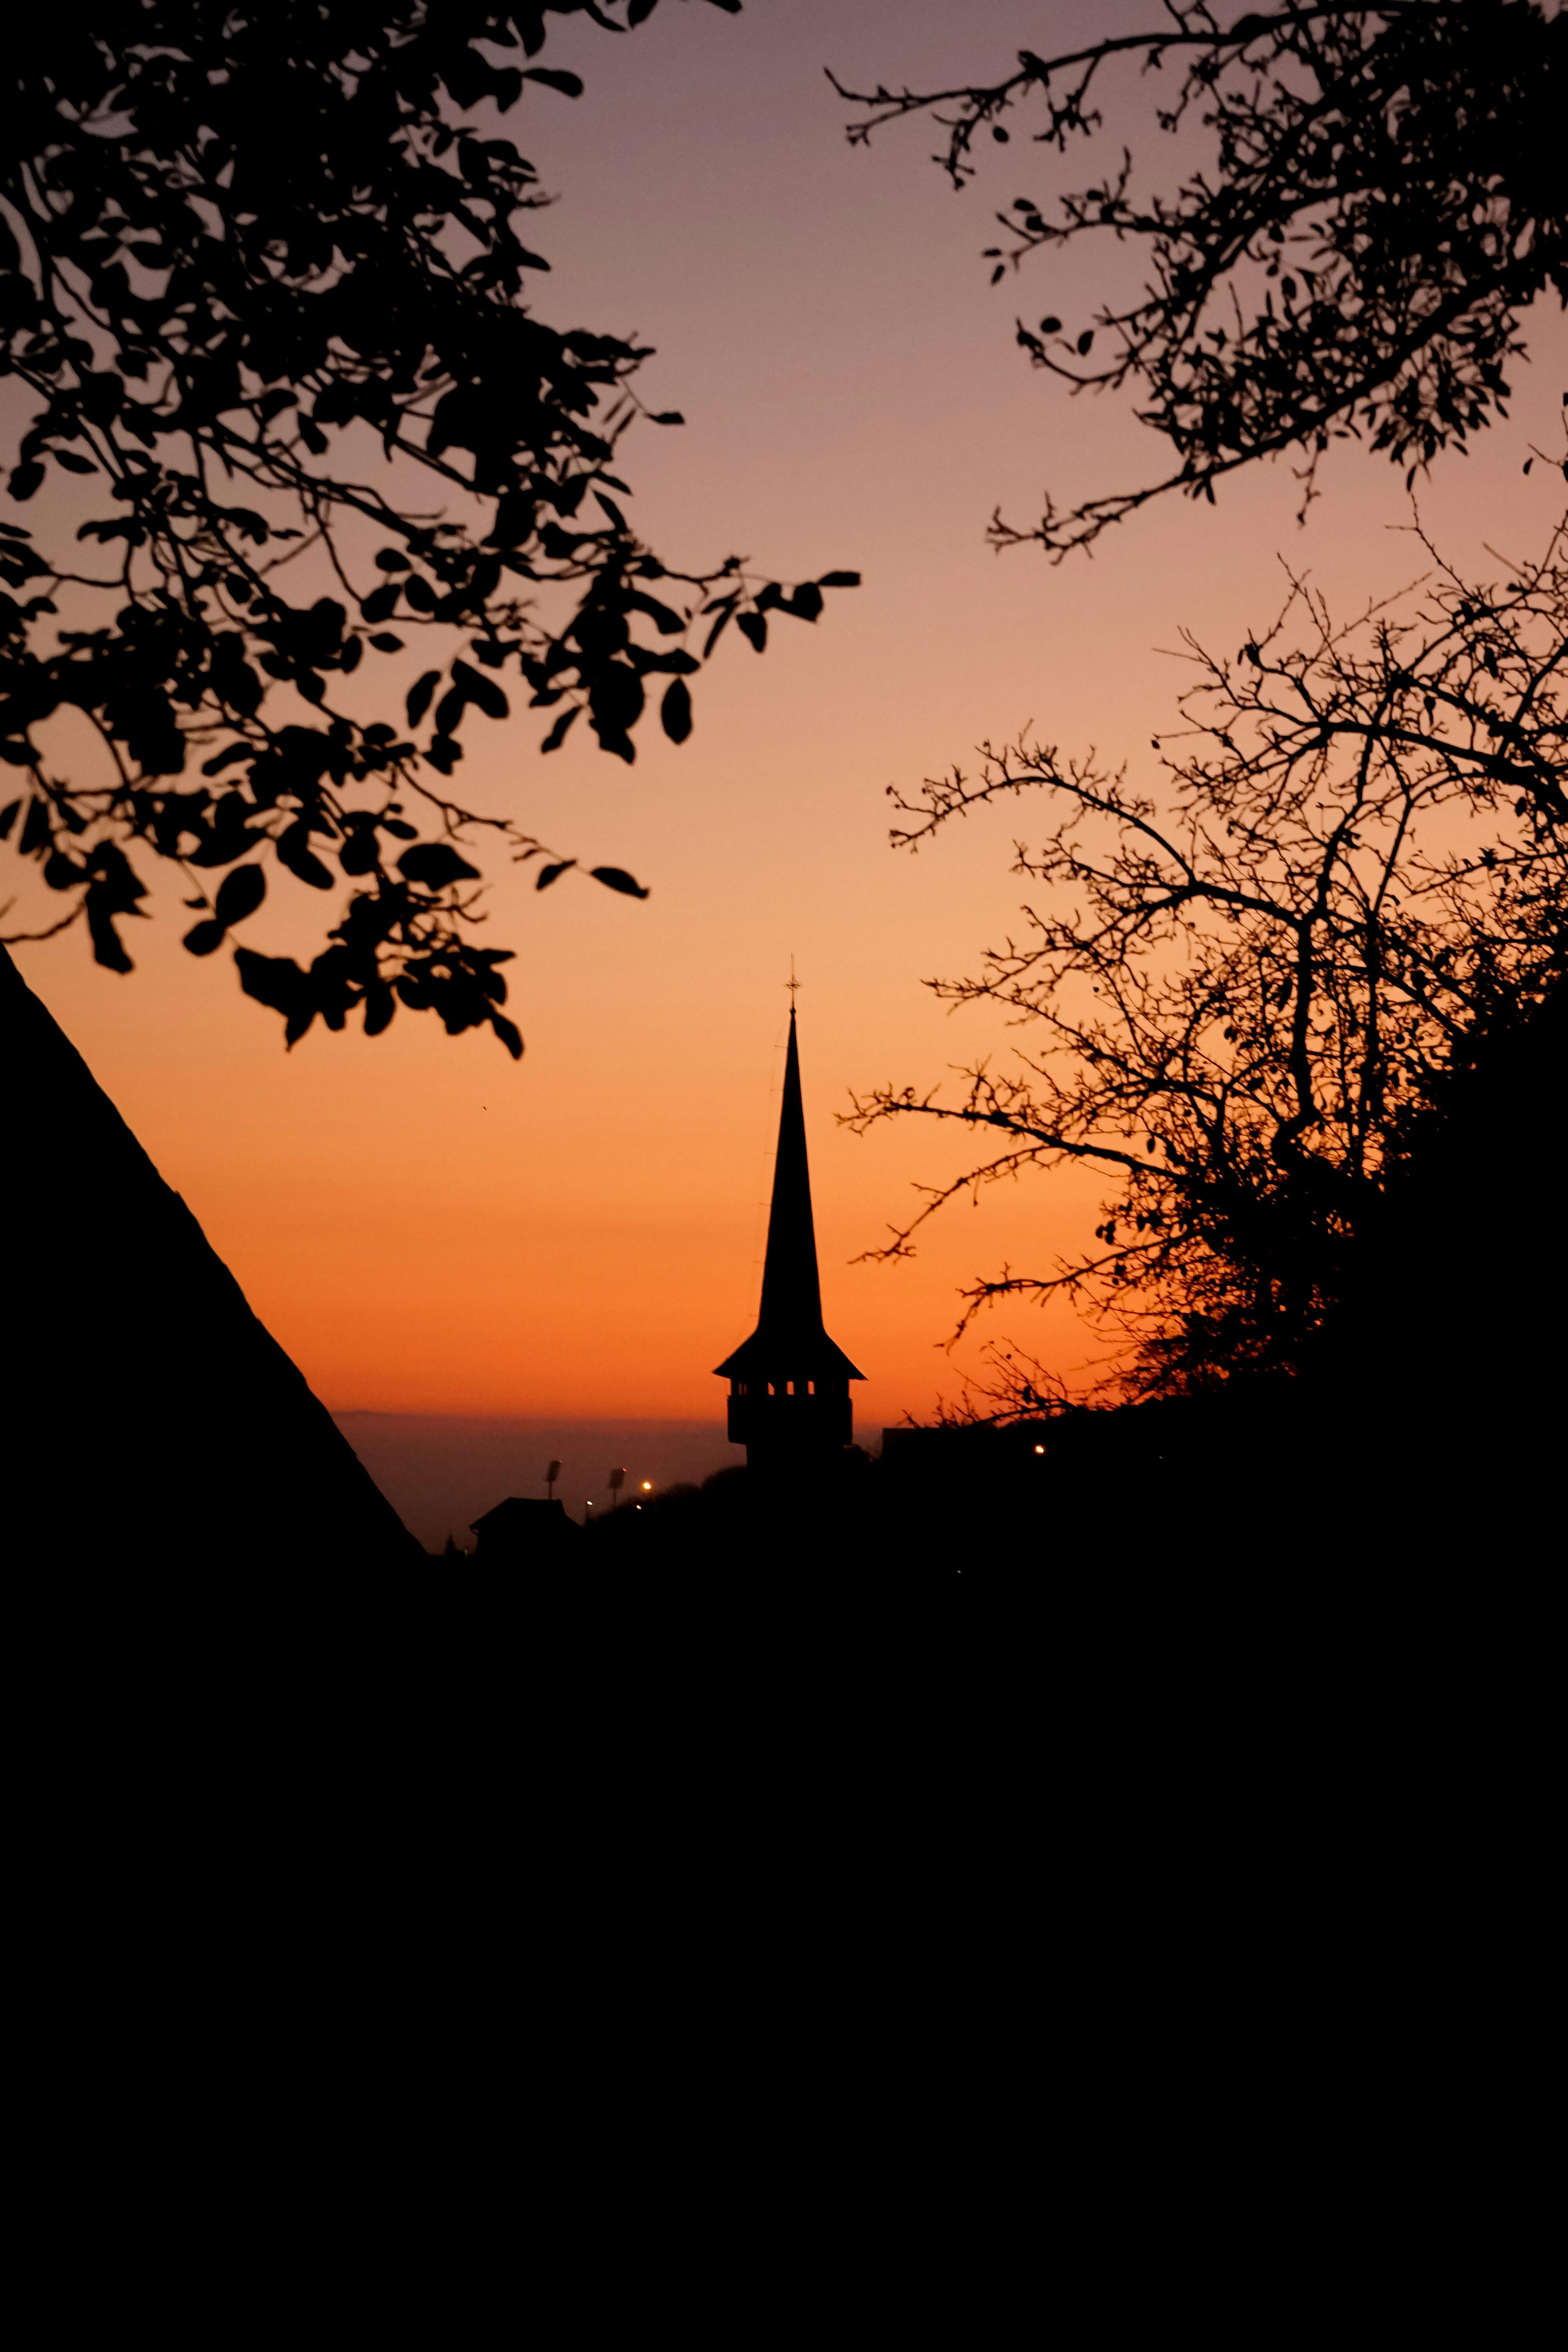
[(792, 986)]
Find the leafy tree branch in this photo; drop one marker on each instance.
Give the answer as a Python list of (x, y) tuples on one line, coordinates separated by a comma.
[(264, 283), (1386, 198)]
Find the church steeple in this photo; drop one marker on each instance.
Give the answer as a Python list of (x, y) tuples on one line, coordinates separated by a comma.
[(791, 1288), (789, 1392)]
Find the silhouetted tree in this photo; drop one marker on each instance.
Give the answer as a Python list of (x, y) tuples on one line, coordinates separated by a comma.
[(1256, 997), (262, 280), (1387, 195)]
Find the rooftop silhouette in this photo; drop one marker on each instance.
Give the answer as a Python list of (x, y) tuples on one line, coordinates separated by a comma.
[(159, 1420)]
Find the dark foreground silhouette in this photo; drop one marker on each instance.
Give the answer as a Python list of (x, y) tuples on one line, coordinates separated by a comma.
[(1043, 1500), (1288, 1483), (154, 1421)]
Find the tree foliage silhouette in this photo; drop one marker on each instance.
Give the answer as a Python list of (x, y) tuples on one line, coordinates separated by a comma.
[(1387, 197), (1254, 995), (262, 279)]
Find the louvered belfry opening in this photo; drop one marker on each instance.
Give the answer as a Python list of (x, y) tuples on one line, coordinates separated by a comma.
[(789, 1382)]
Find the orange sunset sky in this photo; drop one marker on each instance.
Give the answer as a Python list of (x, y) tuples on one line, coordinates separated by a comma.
[(428, 1227)]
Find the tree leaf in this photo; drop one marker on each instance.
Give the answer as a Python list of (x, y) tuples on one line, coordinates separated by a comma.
[(202, 938), (240, 893), (726, 615), (484, 691), (675, 712), (557, 734), (277, 981), (108, 946), (436, 863), (293, 846), (359, 852), (549, 874), (614, 878), (380, 1004), (419, 695), (669, 623)]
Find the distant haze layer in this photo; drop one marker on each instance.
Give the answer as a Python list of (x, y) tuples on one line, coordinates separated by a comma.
[(442, 1471)]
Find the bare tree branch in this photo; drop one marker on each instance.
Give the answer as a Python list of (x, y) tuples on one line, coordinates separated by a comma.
[(1248, 988)]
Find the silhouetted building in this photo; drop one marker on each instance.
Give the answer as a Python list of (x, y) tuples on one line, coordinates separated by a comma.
[(522, 1529), (789, 1382)]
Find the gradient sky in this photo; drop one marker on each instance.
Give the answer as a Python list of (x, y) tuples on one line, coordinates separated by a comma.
[(428, 1227)]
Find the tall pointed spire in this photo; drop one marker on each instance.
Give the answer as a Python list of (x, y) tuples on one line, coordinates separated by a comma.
[(789, 1381), (791, 1288)]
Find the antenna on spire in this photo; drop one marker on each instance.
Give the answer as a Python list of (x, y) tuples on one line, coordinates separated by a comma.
[(792, 984)]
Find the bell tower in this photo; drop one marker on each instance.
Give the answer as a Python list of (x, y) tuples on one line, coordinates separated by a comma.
[(789, 1384)]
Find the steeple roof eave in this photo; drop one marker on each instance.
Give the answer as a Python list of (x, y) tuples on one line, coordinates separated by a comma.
[(782, 1353)]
